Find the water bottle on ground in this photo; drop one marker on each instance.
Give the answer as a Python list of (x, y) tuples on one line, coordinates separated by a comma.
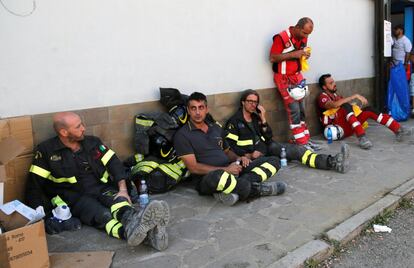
[(329, 135), (283, 160), (143, 194)]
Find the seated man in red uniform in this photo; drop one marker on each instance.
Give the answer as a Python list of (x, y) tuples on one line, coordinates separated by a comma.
[(339, 111)]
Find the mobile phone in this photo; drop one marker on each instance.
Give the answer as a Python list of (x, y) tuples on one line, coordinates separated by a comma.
[(258, 110)]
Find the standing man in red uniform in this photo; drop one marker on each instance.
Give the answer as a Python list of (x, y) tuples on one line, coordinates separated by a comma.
[(340, 111), (289, 47)]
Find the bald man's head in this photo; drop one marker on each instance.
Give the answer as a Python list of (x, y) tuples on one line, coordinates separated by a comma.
[(68, 125)]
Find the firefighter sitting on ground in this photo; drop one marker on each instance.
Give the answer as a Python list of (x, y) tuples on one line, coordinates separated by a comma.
[(249, 135), (218, 171), (80, 172), (345, 117)]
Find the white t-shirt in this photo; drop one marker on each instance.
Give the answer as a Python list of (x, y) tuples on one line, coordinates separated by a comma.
[(400, 47)]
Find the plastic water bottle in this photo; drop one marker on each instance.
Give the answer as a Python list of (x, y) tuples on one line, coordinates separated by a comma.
[(143, 194), (283, 160), (329, 135)]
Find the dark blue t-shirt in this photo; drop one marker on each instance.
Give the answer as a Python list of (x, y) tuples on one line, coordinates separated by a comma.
[(208, 148)]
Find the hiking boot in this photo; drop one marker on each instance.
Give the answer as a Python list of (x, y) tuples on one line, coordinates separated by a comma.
[(137, 224), (270, 187), (158, 236), (227, 199), (340, 161), (364, 143)]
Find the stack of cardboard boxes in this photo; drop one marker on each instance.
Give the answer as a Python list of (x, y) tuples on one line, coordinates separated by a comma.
[(21, 245)]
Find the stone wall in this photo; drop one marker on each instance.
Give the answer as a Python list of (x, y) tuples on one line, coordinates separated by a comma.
[(115, 124)]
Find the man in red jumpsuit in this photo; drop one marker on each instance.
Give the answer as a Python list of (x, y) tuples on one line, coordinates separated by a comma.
[(338, 110), (289, 47)]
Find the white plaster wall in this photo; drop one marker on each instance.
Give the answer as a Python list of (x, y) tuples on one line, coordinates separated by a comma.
[(81, 54)]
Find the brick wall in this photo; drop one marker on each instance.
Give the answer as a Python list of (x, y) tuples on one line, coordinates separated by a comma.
[(115, 125)]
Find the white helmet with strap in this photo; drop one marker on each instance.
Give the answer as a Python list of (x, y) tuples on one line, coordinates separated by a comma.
[(337, 132), (299, 91)]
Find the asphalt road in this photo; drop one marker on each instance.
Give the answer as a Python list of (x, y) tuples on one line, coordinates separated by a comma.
[(390, 250)]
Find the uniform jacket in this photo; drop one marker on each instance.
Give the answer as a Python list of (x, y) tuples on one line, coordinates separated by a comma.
[(54, 171), (241, 137)]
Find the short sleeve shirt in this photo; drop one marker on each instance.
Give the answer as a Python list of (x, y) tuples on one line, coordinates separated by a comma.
[(208, 148), (400, 47)]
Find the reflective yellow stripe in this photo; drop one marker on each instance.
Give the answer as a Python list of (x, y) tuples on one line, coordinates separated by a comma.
[(270, 167), (46, 174), (110, 224), (312, 160), (232, 137), (105, 177), (60, 180), (144, 122), (222, 181), (139, 157), (245, 142), (57, 201), (168, 171), (305, 156), (260, 172), (39, 171), (232, 185), (115, 230), (142, 169), (107, 156), (174, 168), (180, 164), (167, 153), (148, 163), (119, 205)]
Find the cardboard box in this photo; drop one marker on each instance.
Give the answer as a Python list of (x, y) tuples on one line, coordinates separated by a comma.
[(23, 244), (24, 247), (19, 128), (9, 149)]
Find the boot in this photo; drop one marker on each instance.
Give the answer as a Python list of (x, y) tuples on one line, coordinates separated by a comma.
[(270, 188), (227, 199), (158, 236), (364, 143), (340, 161), (137, 224), (401, 132)]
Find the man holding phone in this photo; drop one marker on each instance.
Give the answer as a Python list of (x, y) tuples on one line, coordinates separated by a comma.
[(249, 135)]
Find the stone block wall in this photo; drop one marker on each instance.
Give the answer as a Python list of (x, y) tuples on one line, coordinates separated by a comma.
[(115, 124)]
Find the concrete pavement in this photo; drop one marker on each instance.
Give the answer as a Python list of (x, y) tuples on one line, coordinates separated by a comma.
[(204, 233)]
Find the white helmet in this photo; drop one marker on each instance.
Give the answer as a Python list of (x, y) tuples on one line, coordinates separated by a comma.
[(299, 92), (337, 132)]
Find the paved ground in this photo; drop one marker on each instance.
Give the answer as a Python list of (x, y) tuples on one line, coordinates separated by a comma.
[(381, 250), (203, 233)]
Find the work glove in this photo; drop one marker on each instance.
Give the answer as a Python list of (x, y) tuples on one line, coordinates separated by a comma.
[(54, 225)]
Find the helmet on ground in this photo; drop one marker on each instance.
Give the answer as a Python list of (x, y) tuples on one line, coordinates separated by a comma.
[(337, 132), (179, 113), (161, 147)]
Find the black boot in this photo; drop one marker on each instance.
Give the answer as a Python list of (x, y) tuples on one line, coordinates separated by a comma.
[(269, 188), (340, 161)]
